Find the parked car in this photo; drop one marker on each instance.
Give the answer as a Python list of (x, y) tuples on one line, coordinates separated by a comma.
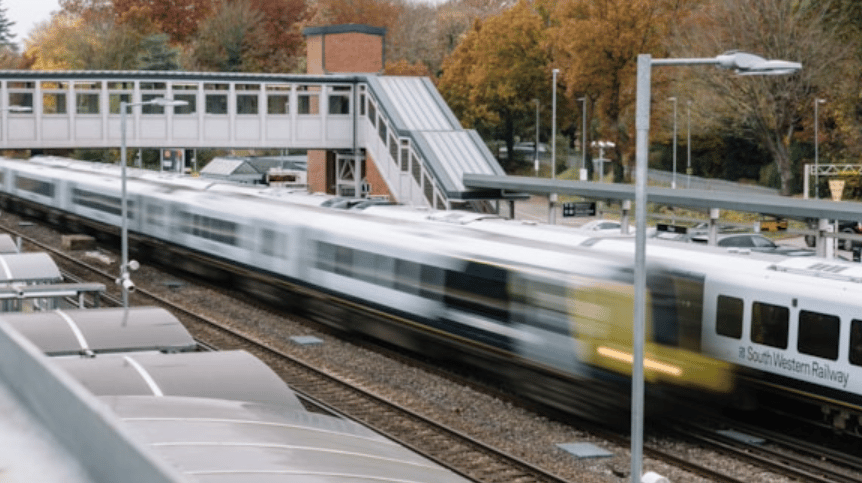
[(754, 242), (849, 227), (605, 227)]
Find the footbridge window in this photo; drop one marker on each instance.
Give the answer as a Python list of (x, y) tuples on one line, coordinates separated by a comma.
[(119, 92), (21, 93), (187, 93), (150, 91), (87, 97), (247, 96), (308, 100), (216, 97), (54, 97), (339, 100), (278, 99)]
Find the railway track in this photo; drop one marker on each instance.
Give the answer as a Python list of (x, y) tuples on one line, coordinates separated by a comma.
[(461, 452)]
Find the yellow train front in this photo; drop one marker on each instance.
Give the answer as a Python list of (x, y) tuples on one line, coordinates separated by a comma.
[(597, 303)]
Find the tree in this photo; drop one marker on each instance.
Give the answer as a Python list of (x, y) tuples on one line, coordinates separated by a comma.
[(6, 35), (177, 18), (597, 44), (765, 109), (493, 76), (232, 40), (156, 54)]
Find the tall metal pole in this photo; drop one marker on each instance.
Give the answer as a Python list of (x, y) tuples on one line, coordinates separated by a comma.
[(124, 233), (552, 199), (688, 144), (673, 175), (642, 95), (817, 149), (536, 150), (584, 134)]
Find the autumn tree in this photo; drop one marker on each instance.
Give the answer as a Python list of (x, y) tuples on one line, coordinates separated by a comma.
[(177, 18), (232, 40), (765, 109), (493, 76), (596, 44)]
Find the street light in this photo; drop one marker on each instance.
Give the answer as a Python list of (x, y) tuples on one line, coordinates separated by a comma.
[(552, 198), (673, 175), (125, 280), (743, 64), (688, 144), (817, 149), (583, 140), (536, 150)]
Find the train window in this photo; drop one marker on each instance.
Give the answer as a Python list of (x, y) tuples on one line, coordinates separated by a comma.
[(344, 261), (818, 334), (273, 243), (728, 316), (155, 215), (769, 324), (325, 256), (100, 202), (856, 342), (365, 266), (432, 279), (278, 99), (479, 289), (407, 276), (210, 228), (37, 186)]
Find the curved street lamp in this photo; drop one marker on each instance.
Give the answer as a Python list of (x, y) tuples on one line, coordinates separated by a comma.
[(743, 64), (125, 280)]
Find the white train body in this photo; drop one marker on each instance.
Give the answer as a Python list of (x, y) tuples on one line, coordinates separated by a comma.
[(791, 325)]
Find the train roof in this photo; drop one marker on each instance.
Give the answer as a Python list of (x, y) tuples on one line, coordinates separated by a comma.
[(90, 332), (235, 375), (227, 441), (7, 244)]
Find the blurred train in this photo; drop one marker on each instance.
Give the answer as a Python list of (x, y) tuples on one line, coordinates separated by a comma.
[(543, 308)]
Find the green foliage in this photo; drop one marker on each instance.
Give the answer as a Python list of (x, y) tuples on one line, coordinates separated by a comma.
[(157, 54), (6, 35)]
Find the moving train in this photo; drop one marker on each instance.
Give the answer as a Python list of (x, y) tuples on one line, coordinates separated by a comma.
[(545, 309)]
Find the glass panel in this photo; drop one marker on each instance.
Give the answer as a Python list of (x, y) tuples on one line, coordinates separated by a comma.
[(54, 103), (192, 104), (216, 104), (818, 334), (114, 101), (128, 86), (278, 104), (184, 87), (151, 108), (246, 87), (728, 317), (216, 87), (339, 104), (153, 86), (23, 99), (21, 85), (53, 85), (87, 103), (856, 342), (246, 104), (769, 324)]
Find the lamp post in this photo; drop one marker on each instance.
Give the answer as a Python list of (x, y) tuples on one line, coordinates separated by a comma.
[(552, 198), (744, 64), (673, 175), (125, 281), (583, 139), (536, 147), (817, 102), (688, 144)]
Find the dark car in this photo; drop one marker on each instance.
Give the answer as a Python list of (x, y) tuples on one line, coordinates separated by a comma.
[(848, 227), (755, 243)]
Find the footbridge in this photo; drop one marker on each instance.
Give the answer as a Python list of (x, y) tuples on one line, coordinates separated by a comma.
[(396, 131)]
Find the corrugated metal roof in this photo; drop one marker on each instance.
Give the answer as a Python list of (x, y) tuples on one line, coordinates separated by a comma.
[(452, 154), (417, 104), (222, 166)]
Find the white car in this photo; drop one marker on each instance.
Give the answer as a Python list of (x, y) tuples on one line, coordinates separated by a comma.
[(605, 227)]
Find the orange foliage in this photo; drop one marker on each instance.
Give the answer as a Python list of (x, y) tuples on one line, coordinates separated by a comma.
[(405, 68)]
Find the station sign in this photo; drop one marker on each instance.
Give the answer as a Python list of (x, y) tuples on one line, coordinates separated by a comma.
[(580, 208)]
